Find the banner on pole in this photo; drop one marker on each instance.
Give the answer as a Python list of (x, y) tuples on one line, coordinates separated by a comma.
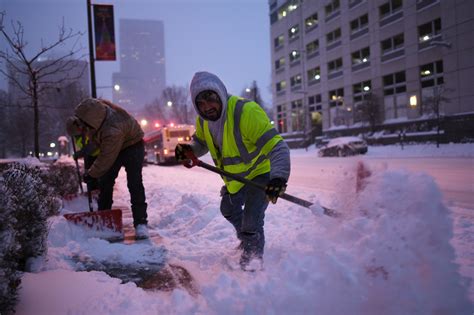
[(104, 32)]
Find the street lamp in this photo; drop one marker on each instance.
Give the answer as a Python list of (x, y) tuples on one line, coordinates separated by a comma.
[(169, 103), (116, 87)]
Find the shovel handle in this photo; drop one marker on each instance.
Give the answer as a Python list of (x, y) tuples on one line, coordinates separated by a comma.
[(194, 161)]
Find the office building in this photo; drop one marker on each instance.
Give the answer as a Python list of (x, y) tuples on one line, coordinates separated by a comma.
[(141, 78), (371, 67)]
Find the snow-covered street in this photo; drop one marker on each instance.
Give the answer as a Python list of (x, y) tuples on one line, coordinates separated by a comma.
[(403, 245)]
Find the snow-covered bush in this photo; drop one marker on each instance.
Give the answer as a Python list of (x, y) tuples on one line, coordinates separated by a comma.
[(62, 178), (9, 276), (30, 203)]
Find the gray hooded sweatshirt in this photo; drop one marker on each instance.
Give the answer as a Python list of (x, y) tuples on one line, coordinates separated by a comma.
[(279, 156)]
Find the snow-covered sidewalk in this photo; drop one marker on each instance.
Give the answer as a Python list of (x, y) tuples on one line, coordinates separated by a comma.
[(391, 253)]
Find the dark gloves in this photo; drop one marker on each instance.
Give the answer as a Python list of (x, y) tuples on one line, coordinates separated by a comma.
[(88, 179), (183, 154), (275, 188), (78, 155)]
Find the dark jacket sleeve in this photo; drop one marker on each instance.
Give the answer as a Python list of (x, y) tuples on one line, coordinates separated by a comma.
[(280, 161)]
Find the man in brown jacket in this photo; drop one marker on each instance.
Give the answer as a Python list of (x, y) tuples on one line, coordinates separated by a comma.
[(119, 138)]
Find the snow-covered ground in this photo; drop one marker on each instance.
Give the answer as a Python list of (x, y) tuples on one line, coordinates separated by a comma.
[(400, 247)]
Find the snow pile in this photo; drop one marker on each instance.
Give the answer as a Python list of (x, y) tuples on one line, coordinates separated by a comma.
[(388, 254)]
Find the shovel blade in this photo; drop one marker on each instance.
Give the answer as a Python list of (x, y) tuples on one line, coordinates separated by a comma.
[(98, 220)]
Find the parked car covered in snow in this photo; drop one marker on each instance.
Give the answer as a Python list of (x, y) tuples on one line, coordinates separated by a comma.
[(344, 146)]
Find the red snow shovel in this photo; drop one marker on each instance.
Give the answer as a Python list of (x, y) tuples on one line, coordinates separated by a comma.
[(101, 220), (195, 161)]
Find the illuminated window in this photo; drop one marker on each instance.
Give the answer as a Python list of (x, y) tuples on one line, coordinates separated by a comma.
[(280, 86), (295, 81), (280, 63), (336, 97), (293, 32), (294, 56), (431, 74), (279, 41), (429, 30), (311, 22), (314, 75), (361, 90), (361, 56)]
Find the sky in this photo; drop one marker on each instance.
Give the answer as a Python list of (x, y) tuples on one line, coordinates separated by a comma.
[(230, 38), (400, 246)]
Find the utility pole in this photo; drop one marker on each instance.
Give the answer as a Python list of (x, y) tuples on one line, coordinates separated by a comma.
[(91, 49)]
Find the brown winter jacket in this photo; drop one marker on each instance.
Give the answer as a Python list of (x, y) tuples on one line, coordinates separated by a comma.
[(112, 129)]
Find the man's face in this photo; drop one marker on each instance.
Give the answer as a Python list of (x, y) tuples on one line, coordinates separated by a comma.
[(209, 105)]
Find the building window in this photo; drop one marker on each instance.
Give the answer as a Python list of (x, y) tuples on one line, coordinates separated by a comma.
[(336, 97), (312, 47), (360, 23), (280, 86), (280, 64), (394, 83), (293, 32), (361, 56), (284, 11), (361, 90), (429, 30), (431, 74), (389, 8), (431, 77), (297, 115), (314, 75), (311, 22), (279, 41), (295, 81), (333, 36), (314, 102), (295, 56), (391, 44), (335, 65), (281, 118), (395, 99), (332, 7)]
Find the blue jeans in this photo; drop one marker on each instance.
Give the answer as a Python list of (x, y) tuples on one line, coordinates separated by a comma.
[(132, 159), (245, 210)]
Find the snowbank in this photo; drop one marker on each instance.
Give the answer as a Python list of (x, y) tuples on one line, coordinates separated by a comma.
[(389, 254)]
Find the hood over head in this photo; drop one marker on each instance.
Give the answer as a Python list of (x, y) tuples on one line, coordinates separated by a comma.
[(91, 111), (205, 81), (73, 126)]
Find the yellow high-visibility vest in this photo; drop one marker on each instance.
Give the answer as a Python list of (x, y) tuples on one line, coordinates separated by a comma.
[(82, 142), (247, 139)]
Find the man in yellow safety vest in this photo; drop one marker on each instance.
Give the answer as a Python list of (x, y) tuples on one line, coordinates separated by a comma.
[(242, 141)]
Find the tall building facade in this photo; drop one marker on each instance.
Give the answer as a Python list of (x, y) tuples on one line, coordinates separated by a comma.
[(142, 75), (361, 65)]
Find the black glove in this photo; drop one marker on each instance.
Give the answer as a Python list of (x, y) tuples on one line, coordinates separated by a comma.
[(275, 188), (181, 150), (78, 155), (89, 180)]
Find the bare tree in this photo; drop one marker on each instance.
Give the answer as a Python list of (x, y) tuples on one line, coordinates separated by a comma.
[(434, 103), (368, 111), (40, 76), (176, 99)]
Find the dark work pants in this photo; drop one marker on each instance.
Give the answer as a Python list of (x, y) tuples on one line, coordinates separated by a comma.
[(132, 159), (245, 210)]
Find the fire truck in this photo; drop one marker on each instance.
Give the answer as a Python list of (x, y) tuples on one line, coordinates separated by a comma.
[(160, 143)]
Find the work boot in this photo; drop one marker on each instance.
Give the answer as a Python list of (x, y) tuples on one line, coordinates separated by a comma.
[(250, 261), (141, 232)]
